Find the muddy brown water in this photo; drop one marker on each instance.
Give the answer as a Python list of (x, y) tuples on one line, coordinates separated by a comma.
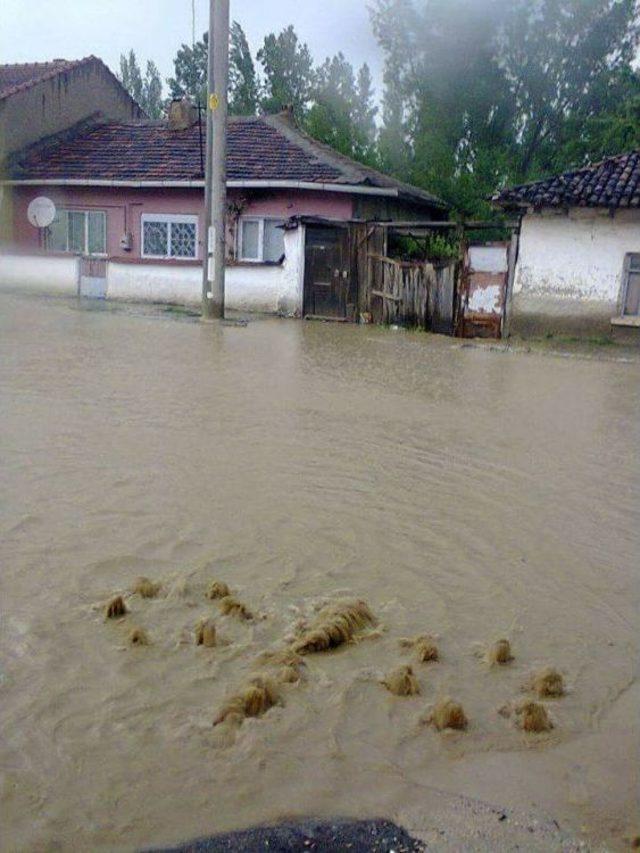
[(462, 492)]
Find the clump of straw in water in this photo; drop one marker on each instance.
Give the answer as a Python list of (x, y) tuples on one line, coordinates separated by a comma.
[(206, 633), (288, 675), (254, 700), (287, 663), (115, 608), (533, 717), (281, 657), (500, 652), (336, 624), (402, 682), (145, 588), (138, 637), (548, 682), (218, 589), (425, 647), (447, 714), (231, 606)]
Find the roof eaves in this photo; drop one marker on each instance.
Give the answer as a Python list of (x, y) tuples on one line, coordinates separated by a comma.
[(354, 173), (563, 190)]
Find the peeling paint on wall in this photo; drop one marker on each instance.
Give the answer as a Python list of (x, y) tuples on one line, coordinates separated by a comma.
[(578, 257), (486, 300)]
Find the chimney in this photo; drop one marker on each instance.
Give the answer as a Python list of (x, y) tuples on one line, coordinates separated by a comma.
[(182, 114)]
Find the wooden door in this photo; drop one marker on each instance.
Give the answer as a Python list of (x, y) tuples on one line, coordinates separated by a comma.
[(328, 290)]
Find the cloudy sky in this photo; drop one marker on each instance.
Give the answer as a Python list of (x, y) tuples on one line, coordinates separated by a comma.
[(47, 29)]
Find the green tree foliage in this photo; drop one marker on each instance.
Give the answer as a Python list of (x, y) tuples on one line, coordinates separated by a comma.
[(558, 60), (288, 72), (611, 129), (365, 111), (147, 90), (342, 113), (190, 72), (393, 140), (244, 91), (152, 91), (130, 75), (483, 92)]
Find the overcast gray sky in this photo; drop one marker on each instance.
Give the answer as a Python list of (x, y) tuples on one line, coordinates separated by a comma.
[(36, 30)]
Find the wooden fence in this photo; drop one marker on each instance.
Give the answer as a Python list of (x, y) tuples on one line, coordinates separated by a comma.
[(420, 295)]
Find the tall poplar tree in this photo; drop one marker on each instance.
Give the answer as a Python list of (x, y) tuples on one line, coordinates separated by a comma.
[(287, 68), (244, 91), (147, 90)]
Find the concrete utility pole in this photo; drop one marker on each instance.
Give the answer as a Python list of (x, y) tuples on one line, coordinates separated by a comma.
[(216, 166)]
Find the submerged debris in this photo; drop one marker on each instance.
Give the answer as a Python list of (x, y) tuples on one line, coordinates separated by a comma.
[(115, 608), (286, 664), (402, 682), (425, 647), (500, 652), (254, 700), (145, 588), (218, 589), (547, 682), (138, 637), (533, 717), (231, 606), (281, 657), (447, 714), (206, 633), (335, 625), (288, 675)]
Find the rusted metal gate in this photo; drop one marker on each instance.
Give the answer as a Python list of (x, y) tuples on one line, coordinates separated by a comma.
[(482, 291)]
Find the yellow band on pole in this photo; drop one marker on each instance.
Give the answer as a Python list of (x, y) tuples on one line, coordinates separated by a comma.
[(214, 101)]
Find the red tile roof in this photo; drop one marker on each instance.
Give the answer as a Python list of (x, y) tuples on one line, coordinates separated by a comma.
[(267, 148), (612, 183)]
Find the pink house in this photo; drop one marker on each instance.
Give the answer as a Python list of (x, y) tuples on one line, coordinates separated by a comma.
[(129, 214)]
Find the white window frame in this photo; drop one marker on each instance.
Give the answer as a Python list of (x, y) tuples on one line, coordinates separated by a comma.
[(85, 212), (631, 267), (169, 218), (261, 221)]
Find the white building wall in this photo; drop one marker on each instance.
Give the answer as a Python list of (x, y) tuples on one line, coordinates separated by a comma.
[(39, 274), (570, 266), (250, 288)]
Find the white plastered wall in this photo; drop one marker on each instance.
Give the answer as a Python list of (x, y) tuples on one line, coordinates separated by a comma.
[(39, 274), (250, 288), (570, 265)]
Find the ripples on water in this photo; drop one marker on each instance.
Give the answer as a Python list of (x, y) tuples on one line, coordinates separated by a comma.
[(462, 492)]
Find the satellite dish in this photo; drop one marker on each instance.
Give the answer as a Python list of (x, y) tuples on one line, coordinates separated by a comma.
[(41, 212)]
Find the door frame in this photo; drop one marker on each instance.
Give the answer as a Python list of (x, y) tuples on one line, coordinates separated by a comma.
[(344, 231)]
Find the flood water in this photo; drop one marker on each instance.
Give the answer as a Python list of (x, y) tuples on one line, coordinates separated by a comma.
[(462, 492)]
